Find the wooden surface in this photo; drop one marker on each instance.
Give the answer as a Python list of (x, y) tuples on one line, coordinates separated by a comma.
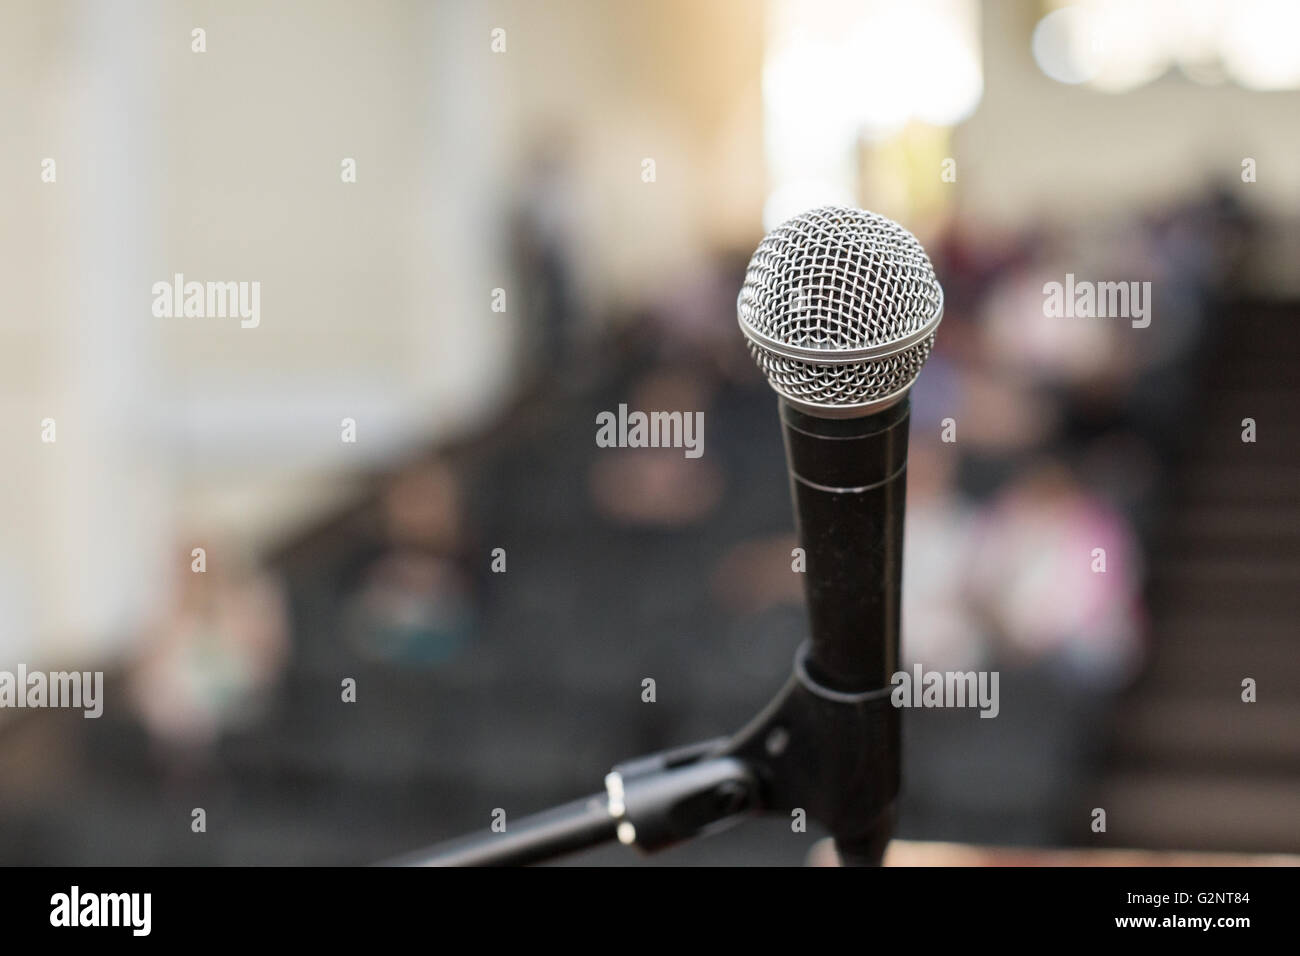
[(912, 853)]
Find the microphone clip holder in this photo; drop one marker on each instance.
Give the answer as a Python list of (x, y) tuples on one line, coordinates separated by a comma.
[(833, 755)]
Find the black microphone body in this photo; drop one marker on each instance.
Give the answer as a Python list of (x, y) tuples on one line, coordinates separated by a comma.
[(848, 479)]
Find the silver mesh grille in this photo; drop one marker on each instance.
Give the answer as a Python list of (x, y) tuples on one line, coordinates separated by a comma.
[(839, 307)]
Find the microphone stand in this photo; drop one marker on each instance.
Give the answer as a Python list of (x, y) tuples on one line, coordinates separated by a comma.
[(831, 754)]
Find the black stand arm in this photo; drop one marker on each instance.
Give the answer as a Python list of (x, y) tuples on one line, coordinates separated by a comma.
[(651, 802), (534, 839)]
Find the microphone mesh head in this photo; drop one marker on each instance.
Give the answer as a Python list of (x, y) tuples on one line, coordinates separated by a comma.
[(839, 307)]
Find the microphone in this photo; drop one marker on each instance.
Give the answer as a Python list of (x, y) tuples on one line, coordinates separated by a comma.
[(839, 308)]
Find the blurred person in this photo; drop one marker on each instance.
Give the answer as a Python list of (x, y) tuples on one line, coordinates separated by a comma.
[(413, 601), (410, 607), (659, 486), (546, 235), (209, 663), (1020, 341), (1057, 573)]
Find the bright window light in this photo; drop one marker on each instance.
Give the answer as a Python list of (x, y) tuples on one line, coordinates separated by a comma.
[(837, 72), (1119, 45)]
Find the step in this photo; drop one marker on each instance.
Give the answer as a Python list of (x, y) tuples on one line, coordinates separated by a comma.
[(1202, 811), (1190, 730)]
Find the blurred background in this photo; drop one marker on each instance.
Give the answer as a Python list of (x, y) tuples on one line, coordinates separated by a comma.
[(552, 210)]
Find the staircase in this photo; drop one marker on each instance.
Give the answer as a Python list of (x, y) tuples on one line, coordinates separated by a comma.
[(1192, 766)]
